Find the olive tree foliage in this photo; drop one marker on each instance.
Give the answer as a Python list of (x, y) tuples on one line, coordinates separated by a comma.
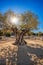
[(30, 21)]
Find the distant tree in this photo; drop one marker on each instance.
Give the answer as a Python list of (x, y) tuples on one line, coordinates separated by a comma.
[(1, 33), (29, 21), (40, 34)]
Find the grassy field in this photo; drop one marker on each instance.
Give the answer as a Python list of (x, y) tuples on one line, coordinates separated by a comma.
[(9, 52)]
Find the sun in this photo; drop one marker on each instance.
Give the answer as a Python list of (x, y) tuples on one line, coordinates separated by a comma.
[(14, 20)]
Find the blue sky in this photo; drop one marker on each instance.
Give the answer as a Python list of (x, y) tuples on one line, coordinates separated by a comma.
[(19, 6)]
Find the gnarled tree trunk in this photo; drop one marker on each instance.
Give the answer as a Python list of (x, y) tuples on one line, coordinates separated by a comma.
[(20, 36), (20, 40)]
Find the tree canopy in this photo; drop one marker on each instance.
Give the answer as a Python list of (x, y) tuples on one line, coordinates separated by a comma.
[(27, 20)]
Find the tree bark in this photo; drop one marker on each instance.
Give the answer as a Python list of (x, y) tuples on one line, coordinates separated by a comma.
[(20, 40), (20, 36)]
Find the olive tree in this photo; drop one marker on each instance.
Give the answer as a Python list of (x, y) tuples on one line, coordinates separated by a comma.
[(21, 24)]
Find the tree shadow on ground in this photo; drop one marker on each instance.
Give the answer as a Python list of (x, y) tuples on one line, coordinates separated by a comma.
[(30, 55), (22, 56)]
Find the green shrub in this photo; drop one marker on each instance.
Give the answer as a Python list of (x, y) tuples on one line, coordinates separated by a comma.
[(7, 34), (1, 33)]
